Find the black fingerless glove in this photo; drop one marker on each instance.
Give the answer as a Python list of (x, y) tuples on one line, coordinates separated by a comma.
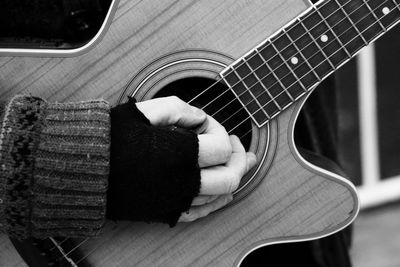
[(154, 172)]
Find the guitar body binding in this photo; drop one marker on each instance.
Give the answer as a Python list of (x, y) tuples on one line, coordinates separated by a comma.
[(287, 199)]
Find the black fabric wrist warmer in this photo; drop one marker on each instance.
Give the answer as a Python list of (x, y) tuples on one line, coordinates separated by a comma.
[(154, 172)]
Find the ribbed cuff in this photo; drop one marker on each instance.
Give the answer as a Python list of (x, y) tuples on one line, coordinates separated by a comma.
[(71, 170), (61, 187)]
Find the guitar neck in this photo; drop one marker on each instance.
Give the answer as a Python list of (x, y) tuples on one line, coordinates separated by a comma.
[(280, 70)]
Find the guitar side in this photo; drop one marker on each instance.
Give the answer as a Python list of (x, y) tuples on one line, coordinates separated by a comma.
[(308, 186), (296, 201)]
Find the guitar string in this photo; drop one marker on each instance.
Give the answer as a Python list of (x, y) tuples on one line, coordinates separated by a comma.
[(230, 131), (113, 228), (220, 79), (65, 255), (330, 28), (299, 52), (301, 36), (73, 249), (303, 76), (59, 243), (324, 61), (91, 251), (307, 15), (311, 70), (396, 6)]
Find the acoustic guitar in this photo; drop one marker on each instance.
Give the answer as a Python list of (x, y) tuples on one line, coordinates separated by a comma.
[(250, 64)]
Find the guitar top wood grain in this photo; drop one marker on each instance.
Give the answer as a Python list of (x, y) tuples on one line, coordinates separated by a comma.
[(295, 201)]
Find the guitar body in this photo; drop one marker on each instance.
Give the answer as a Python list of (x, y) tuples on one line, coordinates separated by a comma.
[(150, 44)]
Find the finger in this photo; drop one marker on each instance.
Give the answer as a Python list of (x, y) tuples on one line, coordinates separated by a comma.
[(171, 111), (241, 162), (201, 200), (224, 179), (251, 161), (195, 213), (214, 145)]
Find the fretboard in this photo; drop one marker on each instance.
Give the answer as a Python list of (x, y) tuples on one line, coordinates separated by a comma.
[(283, 68)]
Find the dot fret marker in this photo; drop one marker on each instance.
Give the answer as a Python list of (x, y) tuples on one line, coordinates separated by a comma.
[(294, 60), (385, 10), (324, 38)]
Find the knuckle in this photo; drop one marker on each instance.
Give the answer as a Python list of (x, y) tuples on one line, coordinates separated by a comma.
[(173, 99), (175, 102), (179, 103), (177, 106)]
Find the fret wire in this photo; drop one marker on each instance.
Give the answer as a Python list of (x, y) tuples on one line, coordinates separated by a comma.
[(263, 86), (237, 96), (341, 43), (312, 38), (309, 72), (256, 49), (316, 42), (351, 21), (287, 65), (312, 69), (394, 2), (302, 56), (307, 15), (373, 14), (273, 74), (233, 114), (306, 60), (248, 89), (396, 6), (315, 54), (333, 32)]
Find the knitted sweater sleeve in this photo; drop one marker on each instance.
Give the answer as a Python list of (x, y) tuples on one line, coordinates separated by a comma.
[(58, 168), (54, 166)]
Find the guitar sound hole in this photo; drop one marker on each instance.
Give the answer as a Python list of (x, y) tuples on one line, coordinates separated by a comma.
[(216, 100)]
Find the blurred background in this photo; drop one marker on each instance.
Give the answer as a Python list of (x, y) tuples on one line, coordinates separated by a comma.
[(369, 145)]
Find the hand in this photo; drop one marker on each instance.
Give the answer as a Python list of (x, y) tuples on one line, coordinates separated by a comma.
[(223, 160)]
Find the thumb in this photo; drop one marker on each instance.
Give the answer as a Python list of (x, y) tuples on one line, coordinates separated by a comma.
[(171, 111)]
